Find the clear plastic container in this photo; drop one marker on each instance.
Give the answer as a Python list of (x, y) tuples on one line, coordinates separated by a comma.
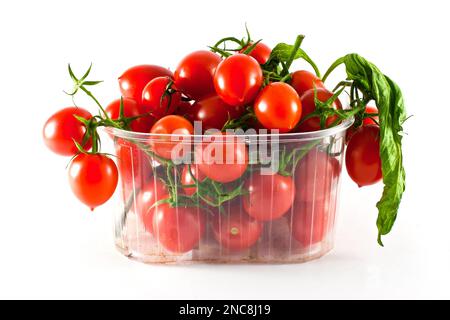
[(287, 217)]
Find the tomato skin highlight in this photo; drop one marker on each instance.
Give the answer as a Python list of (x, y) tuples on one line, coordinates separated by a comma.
[(269, 196), (303, 81), (152, 192), (261, 52), (211, 157), (134, 79), (313, 124), (194, 74), (362, 158), (314, 176), (278, 106), (310, 222), (130, 109), (153, 101), (62, 128), (213, 112), (186, 178), (238, 79), (168, 125), (93, 178), (236, 230), (178, 229)]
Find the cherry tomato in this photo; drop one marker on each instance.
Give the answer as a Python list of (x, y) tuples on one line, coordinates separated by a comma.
[(134, 79), (130, 109), (278, 106), (178, 229), (152, 97), (62, 128), (187, 178), (261, 52), (315, 175), (313, 124), (168, 126), (310, 222), (238, 79), (362, 158), (184, 109), (367, 121), (303, 81), (235, 230), (194, 75), (93, 178), (222, 158), (152, 192), (269, 196), (213, 112)]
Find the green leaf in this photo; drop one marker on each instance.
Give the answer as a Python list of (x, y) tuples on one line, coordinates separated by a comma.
[(91, 83), (389, 100)]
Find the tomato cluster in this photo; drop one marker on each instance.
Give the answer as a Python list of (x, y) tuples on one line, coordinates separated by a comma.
[(179, 204)]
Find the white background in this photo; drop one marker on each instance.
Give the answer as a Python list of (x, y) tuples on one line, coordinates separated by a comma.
[(51, 246)]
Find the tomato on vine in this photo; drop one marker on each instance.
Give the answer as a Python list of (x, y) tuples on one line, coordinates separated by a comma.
[(261, 52), (370, 119), (303, 81), (130, 110), (152, 192), (62, 128), (159, 97), (191, 176)]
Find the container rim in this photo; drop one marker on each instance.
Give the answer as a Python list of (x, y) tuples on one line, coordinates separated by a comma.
[(292, 136)]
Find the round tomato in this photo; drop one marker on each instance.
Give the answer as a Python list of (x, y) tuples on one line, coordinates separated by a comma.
[(152, 192), (309, 106), (222, 158), (213, 112), (133, 80), (194, 75), (278, 106), (315, 175), (269, 196), (310, 222), (238, 79), (178, 229), (93, 178), (154, 100), (235, 230), (367, 121), (187, 178), (62, 128), (303, 81), (261, 52), (130, 109), (169, 126), (362, 158)]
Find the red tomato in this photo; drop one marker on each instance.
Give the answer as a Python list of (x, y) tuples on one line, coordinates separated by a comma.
[(194, 75), (362, 158), (222, 158), (235, 230), (187, 178), (303, 81), (133, 80), (153, 101), (93, 178), (213, 112), (313, 124), (152, 192), (261, 52), (366, 122), (315, 175), (278, 106), (168, 126), (130, 109), (184, 109), (133, 164), (178, 229), (269, 196), (62, 128), (310, 222), (238, 79)]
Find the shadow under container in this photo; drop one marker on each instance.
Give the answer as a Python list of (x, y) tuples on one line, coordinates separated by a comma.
[(174, 212)]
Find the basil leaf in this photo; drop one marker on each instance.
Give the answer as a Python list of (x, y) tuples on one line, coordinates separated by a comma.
[(389, 100)]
